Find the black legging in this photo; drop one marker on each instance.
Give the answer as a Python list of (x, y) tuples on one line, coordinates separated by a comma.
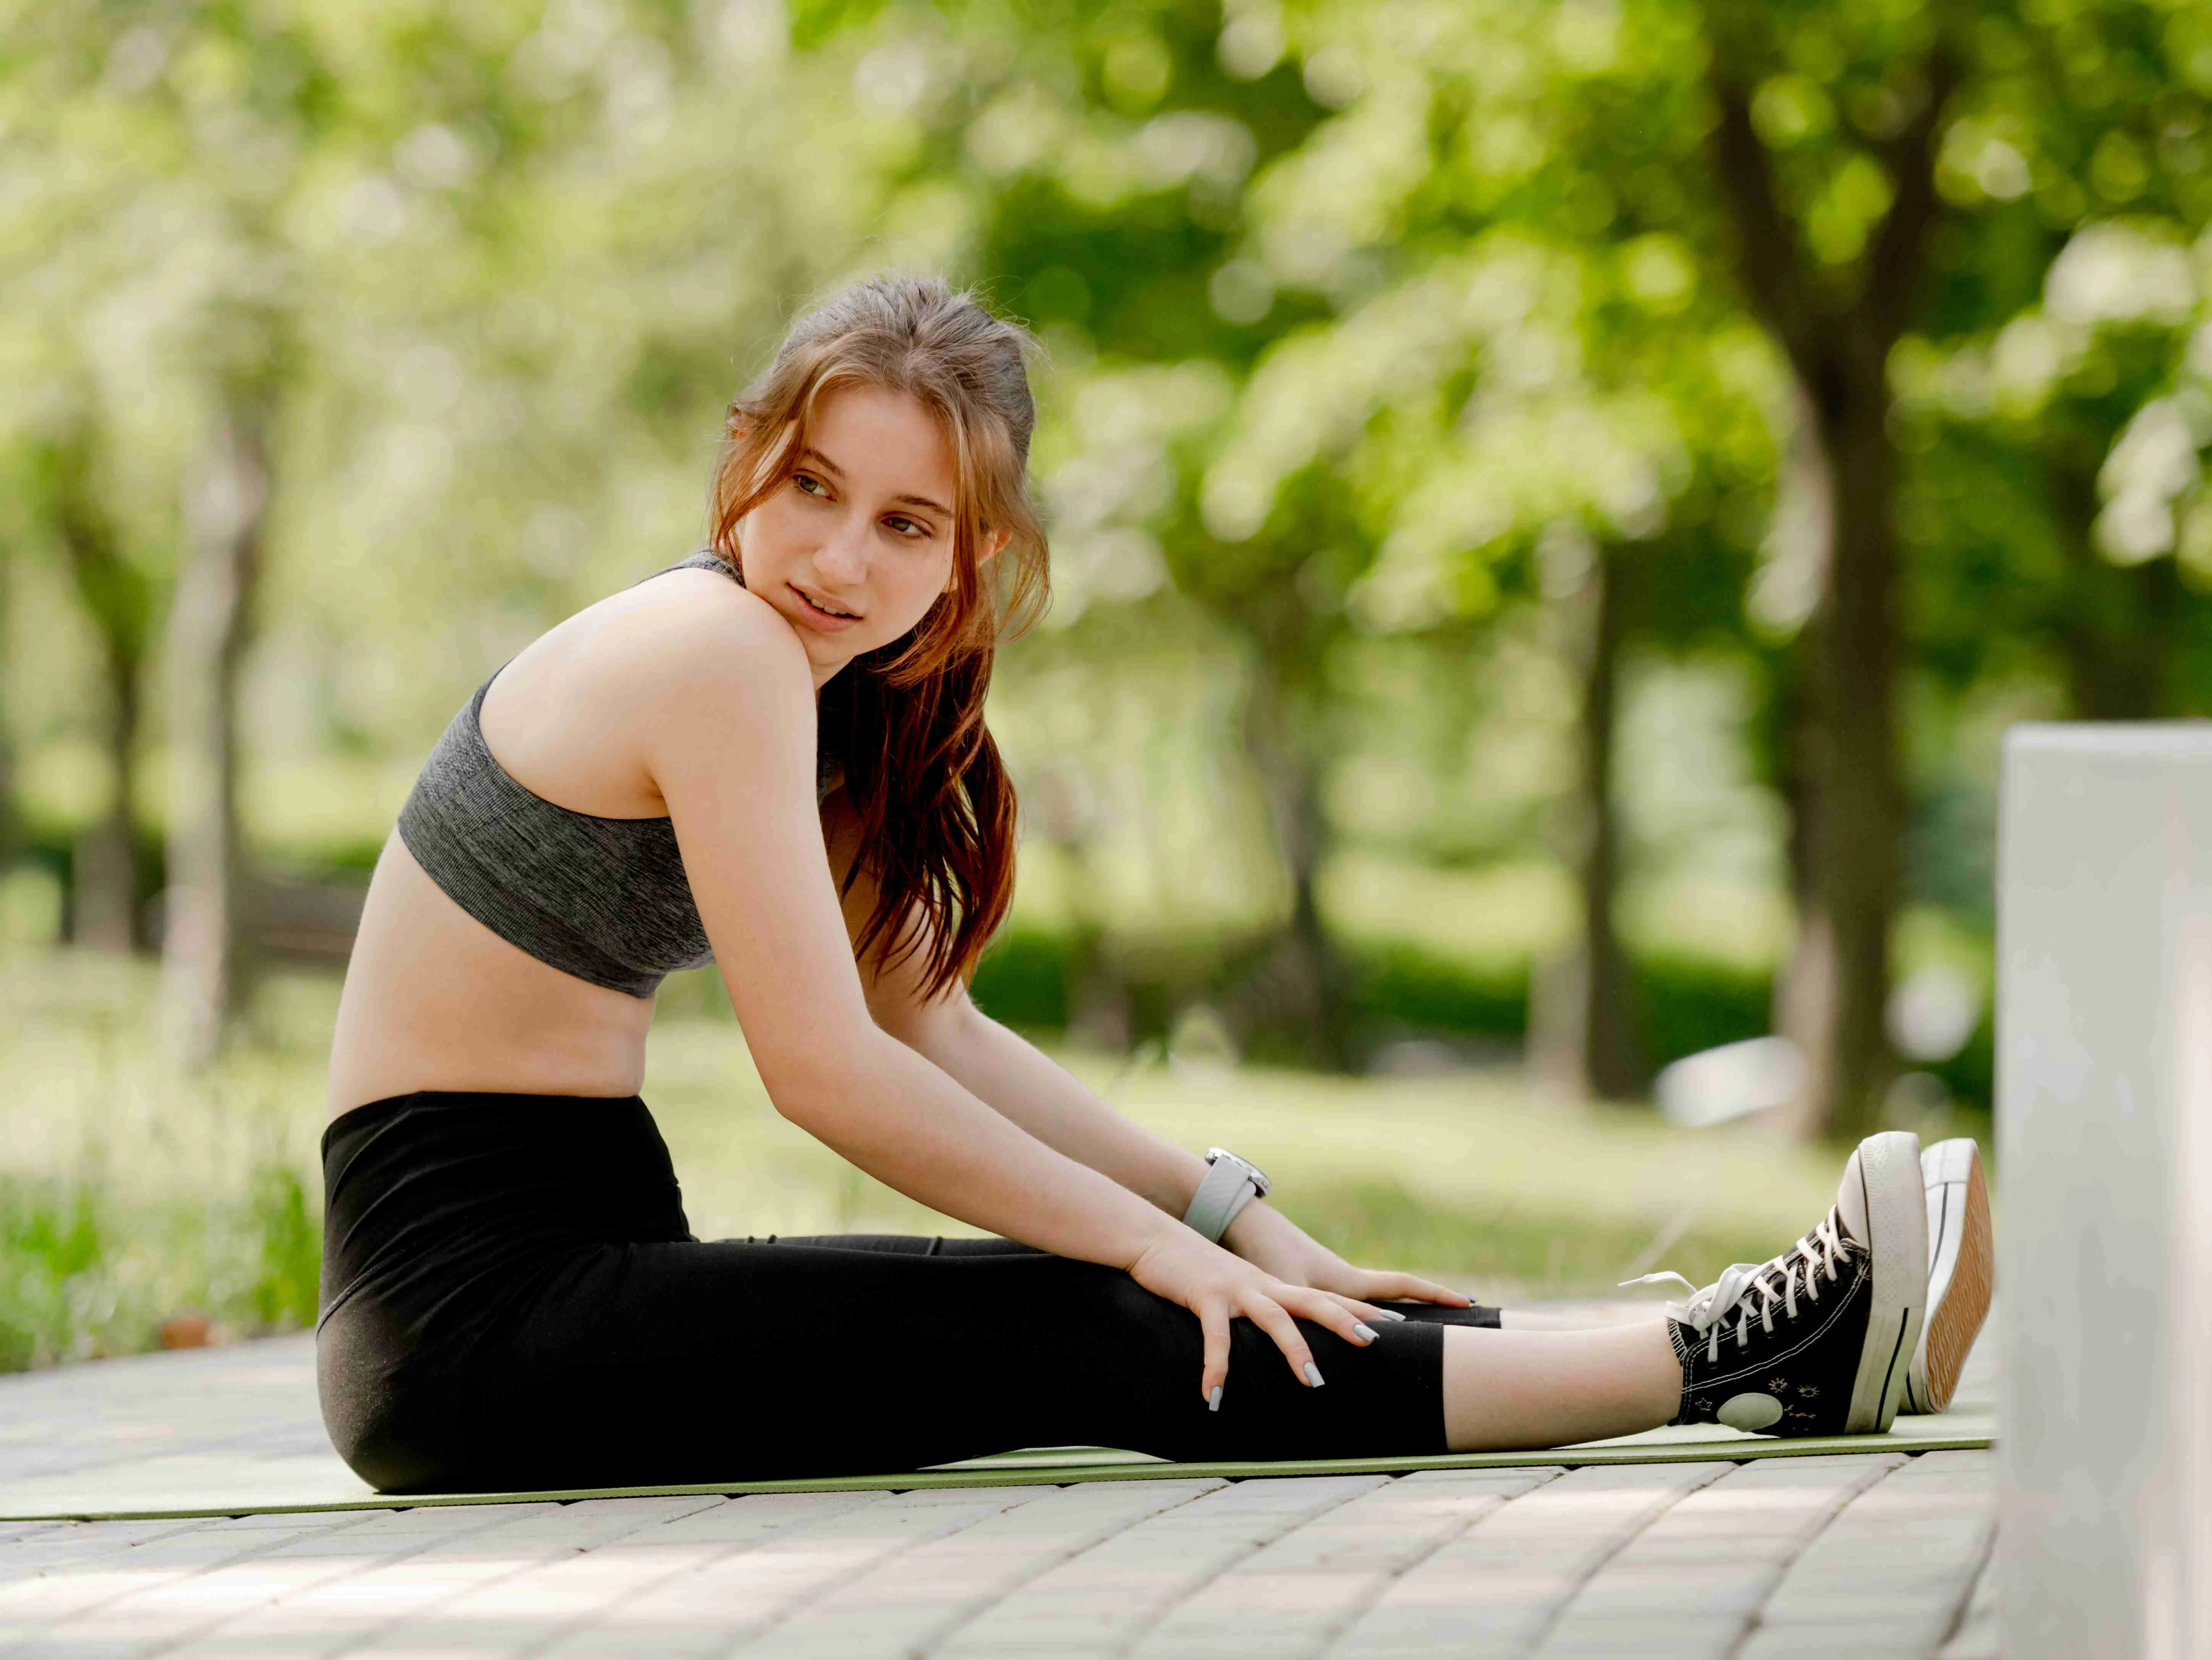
[(513, 1299)]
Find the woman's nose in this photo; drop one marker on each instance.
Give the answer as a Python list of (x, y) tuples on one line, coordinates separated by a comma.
[(843, 556)]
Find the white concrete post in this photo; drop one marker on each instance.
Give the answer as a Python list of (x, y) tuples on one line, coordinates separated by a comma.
[(2105, 1169)]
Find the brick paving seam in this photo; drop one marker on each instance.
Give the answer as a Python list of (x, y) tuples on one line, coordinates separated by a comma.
[(1920, 1534), (691, 1613), (545, 1531), (1009, 1499), (1979, 1599), (1289, 1600), (1976, 1635), (1688, 1585), (281, 1536), (289, 1539), (1613, 1548), (909, 1604), (578, 1532), (1136, 1636), (936, 1640), (813, 1510), (34, 1605), (1107, 1599), (1380, 1588)]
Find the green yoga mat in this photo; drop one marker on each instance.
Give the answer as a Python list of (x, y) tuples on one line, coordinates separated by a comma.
[(109, 1496)]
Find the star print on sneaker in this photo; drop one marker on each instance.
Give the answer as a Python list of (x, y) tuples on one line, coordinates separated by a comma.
[(1961, 1269), (1819, 1340)]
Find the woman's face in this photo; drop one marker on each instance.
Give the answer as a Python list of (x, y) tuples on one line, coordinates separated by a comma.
[(855, 547)]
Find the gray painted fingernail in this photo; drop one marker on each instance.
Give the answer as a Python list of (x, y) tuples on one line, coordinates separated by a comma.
[(1213, 1400), (1313, 1374), (1388, 1314), (1367, 1332)]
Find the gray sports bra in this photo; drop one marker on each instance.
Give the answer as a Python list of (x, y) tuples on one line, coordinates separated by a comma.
[(603, 899)]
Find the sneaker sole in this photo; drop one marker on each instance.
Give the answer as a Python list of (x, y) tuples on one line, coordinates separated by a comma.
[(1891, 1183), (1961, 1273)]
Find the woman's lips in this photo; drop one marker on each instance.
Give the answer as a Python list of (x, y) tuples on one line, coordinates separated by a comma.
[(815, 617)]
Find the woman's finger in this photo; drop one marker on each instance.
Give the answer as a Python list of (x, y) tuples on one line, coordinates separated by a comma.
[(1274, 1319), (1365, 1310), (1408, 1288), (1214, 1322), (1327, 1309)]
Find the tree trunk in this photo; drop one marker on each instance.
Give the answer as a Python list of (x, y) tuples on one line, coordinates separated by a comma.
[(207, 637), (1583, 1027), (1301, 988), (1836, 995), (104, 878), (105, 875), (1838, 343)]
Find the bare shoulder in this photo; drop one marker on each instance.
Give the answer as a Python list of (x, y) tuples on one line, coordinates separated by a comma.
[(595, 713), (695, 629), (685, 653), (714, 679)]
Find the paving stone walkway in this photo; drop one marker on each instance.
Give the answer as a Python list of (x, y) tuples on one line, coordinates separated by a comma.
[(1876, 1555)]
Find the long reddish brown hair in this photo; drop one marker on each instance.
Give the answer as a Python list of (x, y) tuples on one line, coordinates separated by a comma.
[(906, 721)]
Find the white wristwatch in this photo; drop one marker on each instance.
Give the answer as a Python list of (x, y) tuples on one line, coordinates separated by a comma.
[(1231, 1185)]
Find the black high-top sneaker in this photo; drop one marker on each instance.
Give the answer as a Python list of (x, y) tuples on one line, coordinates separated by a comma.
[(1819, 1340), (1961, 1269)]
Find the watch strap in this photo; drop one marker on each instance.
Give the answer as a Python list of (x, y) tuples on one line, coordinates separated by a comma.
[(1228, 1188)]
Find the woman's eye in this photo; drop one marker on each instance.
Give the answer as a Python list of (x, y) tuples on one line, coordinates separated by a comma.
[(906, 526), (810, 484)]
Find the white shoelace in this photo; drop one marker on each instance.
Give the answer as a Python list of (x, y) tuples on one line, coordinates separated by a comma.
[(1817, 1253)]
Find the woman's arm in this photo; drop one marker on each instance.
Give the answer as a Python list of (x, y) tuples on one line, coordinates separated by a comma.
[(721, 702), (1005, 1071)]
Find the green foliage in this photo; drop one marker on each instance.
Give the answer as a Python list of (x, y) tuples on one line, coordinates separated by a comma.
[(1023, 981), (82, 1275), (50, 1244), (290, 1235), (1406, 988)]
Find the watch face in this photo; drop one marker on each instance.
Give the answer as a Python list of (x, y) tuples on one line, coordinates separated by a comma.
[(1260, 1183)]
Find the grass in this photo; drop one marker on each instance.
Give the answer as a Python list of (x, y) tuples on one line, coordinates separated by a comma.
[(130, 1194)]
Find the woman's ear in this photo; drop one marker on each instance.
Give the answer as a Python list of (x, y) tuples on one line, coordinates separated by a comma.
[(994, 542)]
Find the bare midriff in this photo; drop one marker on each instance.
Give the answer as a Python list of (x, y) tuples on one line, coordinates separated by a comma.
[(435, 1001)]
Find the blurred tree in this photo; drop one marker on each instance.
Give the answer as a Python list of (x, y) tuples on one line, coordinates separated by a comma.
[(1809, 159), (1525, 374), (203, 920), (1582, 1019), (120, 598), (418, 320), (1110, 152), (200, 129), (1836, 319), (1885, 173)]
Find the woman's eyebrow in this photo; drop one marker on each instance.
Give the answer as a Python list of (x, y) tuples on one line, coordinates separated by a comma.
[(810, 453)]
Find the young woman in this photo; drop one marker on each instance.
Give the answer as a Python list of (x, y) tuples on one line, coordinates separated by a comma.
[(773, 754)]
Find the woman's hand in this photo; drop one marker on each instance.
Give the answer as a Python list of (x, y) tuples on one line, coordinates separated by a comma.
[(1269, 1239), (1218, 1286)]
